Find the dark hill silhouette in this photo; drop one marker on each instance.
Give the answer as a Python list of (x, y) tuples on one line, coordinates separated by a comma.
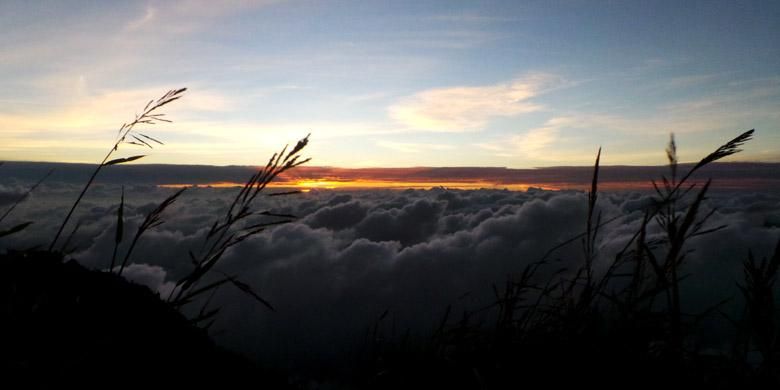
[(67, 325)]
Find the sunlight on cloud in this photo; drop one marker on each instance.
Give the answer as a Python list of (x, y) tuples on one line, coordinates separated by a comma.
[(537, 144), (534, 143), (542, 145), (496, 149), (408, 147), (94, 113), (459, 109), (80, 129), (275, 132), (559, 139), (84, 125), (243, 142)]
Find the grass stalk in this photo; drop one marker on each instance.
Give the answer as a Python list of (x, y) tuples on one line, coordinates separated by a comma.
[(147, 116)]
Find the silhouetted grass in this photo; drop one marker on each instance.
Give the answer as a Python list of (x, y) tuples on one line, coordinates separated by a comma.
[(102, 304), (152, 220), (621, 327), (148, 116), (760, 311), (19, 227), (238, 224)]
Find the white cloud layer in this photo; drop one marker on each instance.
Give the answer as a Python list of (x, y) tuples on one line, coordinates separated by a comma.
[(353, 255)]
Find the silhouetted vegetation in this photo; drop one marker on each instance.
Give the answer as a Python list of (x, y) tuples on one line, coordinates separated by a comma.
[(622, 326), (71, 326)]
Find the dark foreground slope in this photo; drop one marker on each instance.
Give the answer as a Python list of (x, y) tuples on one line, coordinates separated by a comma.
[(65, 325)]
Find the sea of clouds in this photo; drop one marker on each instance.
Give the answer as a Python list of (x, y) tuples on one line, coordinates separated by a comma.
[(350, 256)]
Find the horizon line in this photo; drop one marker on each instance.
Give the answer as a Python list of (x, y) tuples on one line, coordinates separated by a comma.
[(399, 167)]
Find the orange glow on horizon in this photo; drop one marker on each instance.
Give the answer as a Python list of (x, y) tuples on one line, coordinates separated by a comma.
[(306, 185), (364, 184)]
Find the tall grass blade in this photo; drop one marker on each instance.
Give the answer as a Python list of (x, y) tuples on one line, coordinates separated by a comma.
[(248, 290), (153, 139), (671, 155), (123, 160), (16, 229), (124, 131), (26, 194), (152, 220), (120, 224)]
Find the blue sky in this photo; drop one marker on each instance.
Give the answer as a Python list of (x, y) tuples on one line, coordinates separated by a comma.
[(401, 83)]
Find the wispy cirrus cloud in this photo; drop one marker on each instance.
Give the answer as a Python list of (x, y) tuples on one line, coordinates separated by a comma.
[(470, 17), (187, 16), (444, 39), (149, 16), (460, 109), (687, 81)]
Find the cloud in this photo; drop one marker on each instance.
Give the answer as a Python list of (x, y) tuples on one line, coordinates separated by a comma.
[(534, 143), (91, 111), (151, 276), (150, 14), (338, 217), (353, 255), (410, 224), (686, 81), (409, 147), (470, 17), (458, 109), (9, 195), (701, 125), (543, 144), (186, 17), (82, 128), (446, 39)]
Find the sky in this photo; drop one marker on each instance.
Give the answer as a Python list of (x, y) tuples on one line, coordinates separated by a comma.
[(392, 84)]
